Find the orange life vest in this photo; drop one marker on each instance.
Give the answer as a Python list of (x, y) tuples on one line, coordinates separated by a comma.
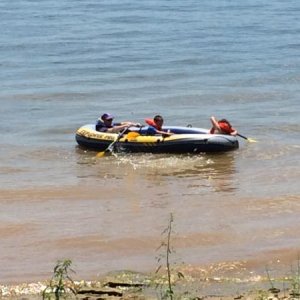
[(225, 128), (152, 123)]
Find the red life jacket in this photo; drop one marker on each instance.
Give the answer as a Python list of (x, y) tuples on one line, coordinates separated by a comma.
[(225, 128), (152, 123)]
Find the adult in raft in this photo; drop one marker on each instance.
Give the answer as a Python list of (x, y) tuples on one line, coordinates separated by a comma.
[(105, 124), (155, 126), (222, 127)]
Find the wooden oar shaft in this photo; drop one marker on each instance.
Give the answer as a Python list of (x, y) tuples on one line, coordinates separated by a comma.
[(246, 138), (242, 136)]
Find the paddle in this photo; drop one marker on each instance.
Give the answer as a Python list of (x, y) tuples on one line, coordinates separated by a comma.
[(110, 148), (248, 139)]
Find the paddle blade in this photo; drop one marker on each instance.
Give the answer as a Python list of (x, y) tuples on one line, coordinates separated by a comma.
[(100, 154), (105, 152), (251, 140)]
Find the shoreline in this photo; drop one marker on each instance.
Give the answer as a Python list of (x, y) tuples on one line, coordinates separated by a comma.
[(194, 284)]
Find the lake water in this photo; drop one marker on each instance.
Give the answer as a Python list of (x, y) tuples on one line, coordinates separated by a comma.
[(64, 63)]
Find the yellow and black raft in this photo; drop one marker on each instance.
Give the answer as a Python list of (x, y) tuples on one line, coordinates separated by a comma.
[(184, 140)]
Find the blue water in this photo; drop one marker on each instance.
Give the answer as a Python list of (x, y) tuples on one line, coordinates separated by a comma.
[(64, 63)]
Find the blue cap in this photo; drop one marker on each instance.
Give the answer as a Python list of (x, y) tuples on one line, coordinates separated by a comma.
[(107, 116)]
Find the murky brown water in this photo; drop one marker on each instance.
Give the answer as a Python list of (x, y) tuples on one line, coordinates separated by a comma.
[(109, 213)]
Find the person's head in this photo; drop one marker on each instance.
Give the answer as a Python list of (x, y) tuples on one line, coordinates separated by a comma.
[(159, 121), (225, 121), (225, 126), (107, 118)]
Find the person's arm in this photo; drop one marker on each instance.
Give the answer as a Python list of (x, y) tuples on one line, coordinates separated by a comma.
[(128, 123), (234, 132), (119, 127), (164, 133), (153, 131), (116, 129), (215, 123)]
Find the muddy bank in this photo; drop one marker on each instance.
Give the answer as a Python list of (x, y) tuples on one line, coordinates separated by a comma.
[(193, 283)]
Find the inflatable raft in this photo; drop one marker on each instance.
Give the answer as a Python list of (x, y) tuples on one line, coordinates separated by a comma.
[(184, 140)]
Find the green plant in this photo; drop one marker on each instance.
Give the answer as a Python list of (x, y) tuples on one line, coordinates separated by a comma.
[(295, 281), (167, 251), (61, 282), (269, 278)]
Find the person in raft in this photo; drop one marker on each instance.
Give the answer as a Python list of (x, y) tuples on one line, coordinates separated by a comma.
[(222, 127), (105, 124), (155, 126)]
